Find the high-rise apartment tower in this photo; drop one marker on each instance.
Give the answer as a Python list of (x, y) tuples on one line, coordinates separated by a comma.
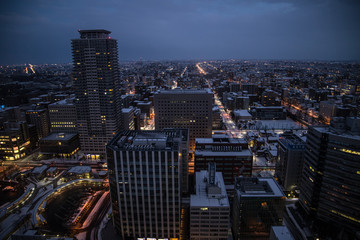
[(96, 76)]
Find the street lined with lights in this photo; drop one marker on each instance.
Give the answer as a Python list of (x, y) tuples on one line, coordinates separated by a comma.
[(231, 128)]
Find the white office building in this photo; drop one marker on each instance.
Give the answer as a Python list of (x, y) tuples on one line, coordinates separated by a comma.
[(209, 207)]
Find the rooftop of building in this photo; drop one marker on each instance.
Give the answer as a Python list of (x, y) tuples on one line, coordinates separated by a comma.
[(210, 153), (148, 140), (268, 108), (299, 221), (61, 95), (249, 84), (257, 187), (343, 127), (80, 169), (202, 198), (282, 233), (52, 169), (242, 113), (127, 96), (35, 111), (291, 138), (39, 170), (127, 110), (59, 137), (220, 139), (95, 31), (185, 91), (67, 101), (278, 124), (143, 103), (94, 34)]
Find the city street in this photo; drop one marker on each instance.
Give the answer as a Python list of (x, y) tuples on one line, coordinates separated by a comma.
[(231, 128)]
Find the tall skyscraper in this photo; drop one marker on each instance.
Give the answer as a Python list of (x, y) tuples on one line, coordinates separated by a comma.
[(96, 77), (145, 181), (330, 184), (188, 108)]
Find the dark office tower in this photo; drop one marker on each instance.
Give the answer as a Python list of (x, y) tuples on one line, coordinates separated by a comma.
[(258, 204), (290, 163), (39, 118), (96, 76), (191, 109), (330, 186), (145, 181)]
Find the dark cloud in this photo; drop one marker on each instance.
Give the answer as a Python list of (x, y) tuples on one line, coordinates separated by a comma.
[(40, 31)]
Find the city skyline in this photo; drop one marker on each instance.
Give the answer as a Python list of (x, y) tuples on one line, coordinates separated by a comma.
[(37, 32), (180, 119), (247, 119)]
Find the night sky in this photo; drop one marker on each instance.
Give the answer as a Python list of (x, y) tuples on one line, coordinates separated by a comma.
[(40, 31)]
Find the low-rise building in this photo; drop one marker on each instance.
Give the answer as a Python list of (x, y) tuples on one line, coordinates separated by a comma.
[(52, 172), (79, 172), (242, 115), (15, 141), (60, 144), (268, 113), (39, 172)]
